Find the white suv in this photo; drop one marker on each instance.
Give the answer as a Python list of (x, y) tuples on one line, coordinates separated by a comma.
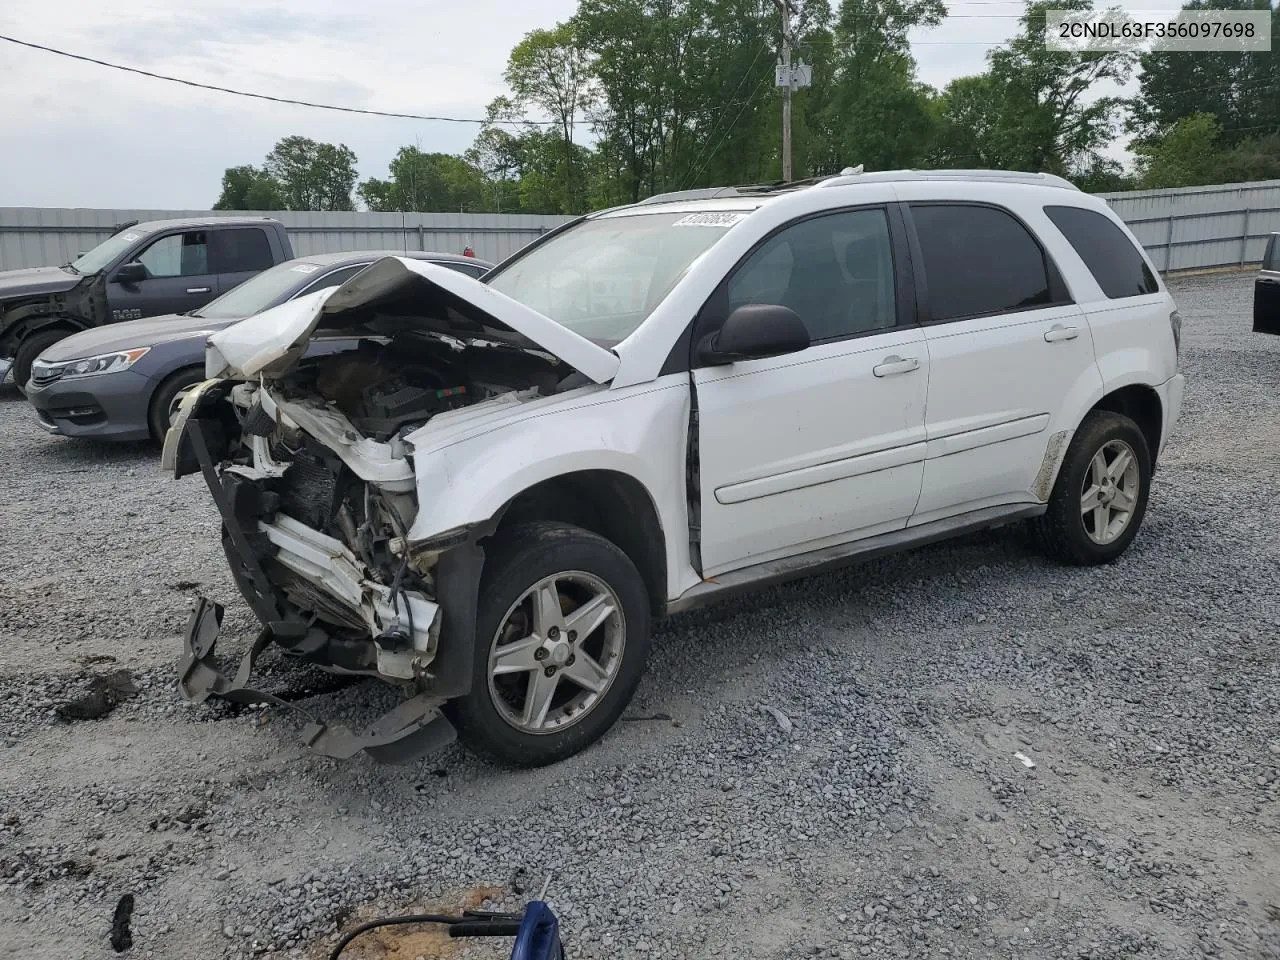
[(494, 497)]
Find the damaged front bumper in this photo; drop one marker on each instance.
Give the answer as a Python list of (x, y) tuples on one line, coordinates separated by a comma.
[(412, 729), (415, 726)]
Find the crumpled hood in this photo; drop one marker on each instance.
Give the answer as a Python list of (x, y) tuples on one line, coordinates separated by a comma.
[(34, 281), (114, 337), (390, 296)]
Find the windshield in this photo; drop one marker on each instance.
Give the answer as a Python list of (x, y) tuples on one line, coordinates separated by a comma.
[(106, 252), (257, 293), (602, 278)]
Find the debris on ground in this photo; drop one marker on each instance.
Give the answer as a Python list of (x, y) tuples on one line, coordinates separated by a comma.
[(121, 936), (783, 721), (106, 692)]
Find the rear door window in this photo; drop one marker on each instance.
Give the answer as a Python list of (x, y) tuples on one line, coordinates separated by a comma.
[(980, 261), (244, 250), (1110, 256)]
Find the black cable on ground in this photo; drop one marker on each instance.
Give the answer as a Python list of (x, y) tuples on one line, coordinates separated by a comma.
[(391, 922)]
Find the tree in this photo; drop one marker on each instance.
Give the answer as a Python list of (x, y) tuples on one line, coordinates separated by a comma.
[(547, 70), (1241, 91), (879, 113), (1046, 117), (967, 117), (1187, 155), (426, 182), (313, 175), (249, 188)]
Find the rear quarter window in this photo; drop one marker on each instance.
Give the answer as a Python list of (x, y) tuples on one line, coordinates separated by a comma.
[(1111, 257), (1271, 259)]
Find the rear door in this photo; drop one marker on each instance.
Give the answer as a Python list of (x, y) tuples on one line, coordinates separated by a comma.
[(1006, 346), (825, 445), (179, 278), (1266, 290), (238, 254)]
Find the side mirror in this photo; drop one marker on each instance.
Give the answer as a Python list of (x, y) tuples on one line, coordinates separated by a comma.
[(133, 272), (754, 331)]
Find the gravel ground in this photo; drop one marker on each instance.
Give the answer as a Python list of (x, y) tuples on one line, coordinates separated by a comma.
[(825, 769)]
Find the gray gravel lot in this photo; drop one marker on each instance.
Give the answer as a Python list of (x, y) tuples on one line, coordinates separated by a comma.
[(877, 809)]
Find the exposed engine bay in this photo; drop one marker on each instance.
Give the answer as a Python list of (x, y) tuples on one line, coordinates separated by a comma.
[(371, 395)]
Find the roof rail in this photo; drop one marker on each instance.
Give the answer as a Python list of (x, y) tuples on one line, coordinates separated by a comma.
[(701, 193), (999, 176)]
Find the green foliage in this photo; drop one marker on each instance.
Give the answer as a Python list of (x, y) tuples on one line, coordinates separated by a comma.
[(1241, 91), (1195, 150), (1187, 155), (675, 94), (427, 181), (249, 188)]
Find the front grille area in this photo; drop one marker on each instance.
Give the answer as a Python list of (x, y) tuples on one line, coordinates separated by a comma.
[(309, 488)]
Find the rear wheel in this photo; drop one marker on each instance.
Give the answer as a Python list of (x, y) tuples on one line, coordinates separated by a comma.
[(165, 400), (1100, 497), (31, 347), (562, 635)]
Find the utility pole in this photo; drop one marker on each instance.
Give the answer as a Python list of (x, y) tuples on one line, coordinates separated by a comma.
[(789, 78), (785, 7)]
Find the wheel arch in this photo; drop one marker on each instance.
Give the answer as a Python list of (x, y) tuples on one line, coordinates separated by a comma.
[(24, 327), (610, 503), (1140, 403)]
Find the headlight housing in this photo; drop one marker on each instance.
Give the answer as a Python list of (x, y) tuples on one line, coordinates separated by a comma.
[(88, 366)]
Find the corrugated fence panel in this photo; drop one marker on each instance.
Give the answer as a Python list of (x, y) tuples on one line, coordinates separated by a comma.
[(1188, 228), (1198, 227), (35, 237)]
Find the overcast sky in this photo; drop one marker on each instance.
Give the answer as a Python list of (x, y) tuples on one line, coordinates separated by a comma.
[(79, 135)]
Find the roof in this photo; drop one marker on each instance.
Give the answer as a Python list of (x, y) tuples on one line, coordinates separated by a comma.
[(362, 256), (209, 221), (732, 197)]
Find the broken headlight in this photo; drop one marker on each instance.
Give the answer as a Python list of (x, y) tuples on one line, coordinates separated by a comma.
[(88, 366)]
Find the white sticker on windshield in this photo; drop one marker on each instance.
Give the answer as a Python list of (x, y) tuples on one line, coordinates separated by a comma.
[(305, 268), (722, 219), (131, 237)]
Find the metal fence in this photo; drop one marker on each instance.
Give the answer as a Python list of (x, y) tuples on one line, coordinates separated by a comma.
[(1184, 229), (1201, 227), (37, 236)]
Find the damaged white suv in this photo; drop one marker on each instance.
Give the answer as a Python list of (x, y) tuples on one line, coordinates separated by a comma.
[(494, 492)]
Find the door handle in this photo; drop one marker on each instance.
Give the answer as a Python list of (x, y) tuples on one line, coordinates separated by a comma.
[(198, 289), (1059, 332), (894, 365)]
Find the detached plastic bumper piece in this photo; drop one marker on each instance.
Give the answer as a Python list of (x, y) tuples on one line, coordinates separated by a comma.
[(412, 729)]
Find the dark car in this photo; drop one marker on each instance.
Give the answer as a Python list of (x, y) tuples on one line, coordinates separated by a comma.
[(1266, 290), (143, 270), (123, 381)]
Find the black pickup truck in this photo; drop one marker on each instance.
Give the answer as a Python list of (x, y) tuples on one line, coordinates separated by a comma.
[(144, 269), (1266, 290)]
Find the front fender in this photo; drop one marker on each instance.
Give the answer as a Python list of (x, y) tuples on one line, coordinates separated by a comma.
[(637, 432)]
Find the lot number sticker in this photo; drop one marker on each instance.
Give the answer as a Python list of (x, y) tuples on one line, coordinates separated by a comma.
[(724, 220)]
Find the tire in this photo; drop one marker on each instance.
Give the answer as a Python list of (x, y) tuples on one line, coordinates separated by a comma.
[(164, 396), (1064, 531), (30, 347), (579, 568)]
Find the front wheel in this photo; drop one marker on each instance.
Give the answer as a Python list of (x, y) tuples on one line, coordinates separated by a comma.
[(562, 635), (1100, 496), (30, 347)]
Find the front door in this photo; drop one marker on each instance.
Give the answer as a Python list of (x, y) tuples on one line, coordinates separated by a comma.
[(1266, 290), (1006, 347), (826, 445), (179, 278)]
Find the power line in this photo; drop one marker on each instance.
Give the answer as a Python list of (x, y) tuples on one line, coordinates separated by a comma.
[(259, 96), (722, 113)]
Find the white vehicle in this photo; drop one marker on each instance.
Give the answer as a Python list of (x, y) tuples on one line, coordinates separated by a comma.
[(493, 499)]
